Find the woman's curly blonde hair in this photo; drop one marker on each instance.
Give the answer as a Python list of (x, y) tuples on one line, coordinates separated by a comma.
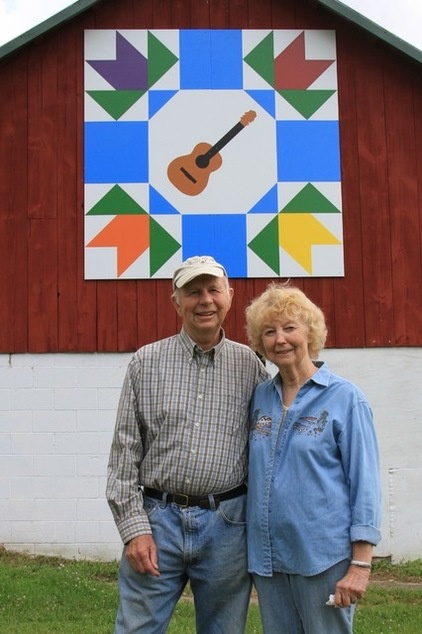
[(281, 301)]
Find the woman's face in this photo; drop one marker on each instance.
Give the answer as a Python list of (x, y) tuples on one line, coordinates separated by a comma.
[(285, 342)]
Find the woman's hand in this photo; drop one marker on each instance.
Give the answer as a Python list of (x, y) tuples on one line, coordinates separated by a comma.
[(352, 587)]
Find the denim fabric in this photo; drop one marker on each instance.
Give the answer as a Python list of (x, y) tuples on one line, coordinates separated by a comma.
[(296, 605), (205, 547), (313, 484)]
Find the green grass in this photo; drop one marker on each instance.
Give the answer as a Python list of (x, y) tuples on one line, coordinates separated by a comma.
[(393, 602), (49, 595), (46, 595)]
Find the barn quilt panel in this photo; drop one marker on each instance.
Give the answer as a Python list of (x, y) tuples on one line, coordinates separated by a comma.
[(219, 142)]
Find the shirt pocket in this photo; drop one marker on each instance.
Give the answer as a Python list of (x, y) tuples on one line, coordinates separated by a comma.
[(231, 416)]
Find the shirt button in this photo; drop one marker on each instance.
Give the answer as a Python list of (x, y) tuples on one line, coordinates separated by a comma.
[(199, 395), (187, 481), (196, 424), (193, 451)]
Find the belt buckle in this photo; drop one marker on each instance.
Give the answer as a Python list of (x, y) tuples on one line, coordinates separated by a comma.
[(181, 495)]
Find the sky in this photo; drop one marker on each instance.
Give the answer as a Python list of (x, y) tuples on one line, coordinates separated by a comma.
[(401, 17)]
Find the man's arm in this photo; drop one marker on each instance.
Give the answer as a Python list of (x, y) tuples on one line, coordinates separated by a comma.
[(122, 492)]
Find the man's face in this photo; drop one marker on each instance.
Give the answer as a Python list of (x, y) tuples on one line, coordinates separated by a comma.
[(203, 305)]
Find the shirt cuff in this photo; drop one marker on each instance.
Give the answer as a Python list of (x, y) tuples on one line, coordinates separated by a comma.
[(365, 533), (133, 527)]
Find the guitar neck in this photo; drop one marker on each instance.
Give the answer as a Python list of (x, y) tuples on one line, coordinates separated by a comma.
[(224, 140)]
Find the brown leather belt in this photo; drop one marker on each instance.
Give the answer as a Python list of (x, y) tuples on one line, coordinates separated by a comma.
[(203, 501)]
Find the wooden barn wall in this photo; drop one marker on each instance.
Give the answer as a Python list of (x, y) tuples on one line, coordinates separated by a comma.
[(45, 304)]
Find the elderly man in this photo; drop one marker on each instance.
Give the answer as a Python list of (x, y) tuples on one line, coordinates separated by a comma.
[(177, 467)]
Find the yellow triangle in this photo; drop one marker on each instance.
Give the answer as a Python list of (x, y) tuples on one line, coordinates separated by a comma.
[(297, 233)]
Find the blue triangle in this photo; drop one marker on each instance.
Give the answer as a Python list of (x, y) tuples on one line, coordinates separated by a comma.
[(158, 204), (157, 99), (265, 98), (268, 203)]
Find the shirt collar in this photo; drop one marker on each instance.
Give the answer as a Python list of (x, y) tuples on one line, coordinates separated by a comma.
[(192, 348), (321, 376)]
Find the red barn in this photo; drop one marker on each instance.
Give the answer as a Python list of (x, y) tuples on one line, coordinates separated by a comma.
[(59, 393)]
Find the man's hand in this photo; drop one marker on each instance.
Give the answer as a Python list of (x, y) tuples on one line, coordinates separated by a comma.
[(141, 553)]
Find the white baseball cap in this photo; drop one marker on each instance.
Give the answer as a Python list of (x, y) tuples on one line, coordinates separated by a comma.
[(195, 266)]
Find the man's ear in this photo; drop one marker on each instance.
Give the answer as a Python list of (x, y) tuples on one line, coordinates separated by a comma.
[(176, 305), (231, 293)]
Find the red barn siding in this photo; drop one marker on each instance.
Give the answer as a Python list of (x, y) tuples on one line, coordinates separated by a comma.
[(47, 306)]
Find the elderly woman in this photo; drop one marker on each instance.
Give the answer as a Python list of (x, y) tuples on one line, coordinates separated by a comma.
[(314, 492)]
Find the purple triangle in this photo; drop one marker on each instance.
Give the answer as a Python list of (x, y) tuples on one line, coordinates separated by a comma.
[(129, 71)]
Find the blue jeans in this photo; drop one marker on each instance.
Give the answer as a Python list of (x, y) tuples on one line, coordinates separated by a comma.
[(293, 604), (206, 548)]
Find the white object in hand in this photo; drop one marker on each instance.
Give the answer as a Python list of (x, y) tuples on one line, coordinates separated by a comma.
[(331, 600)]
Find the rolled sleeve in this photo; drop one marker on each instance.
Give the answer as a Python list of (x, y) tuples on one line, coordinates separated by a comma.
[(361, 533)]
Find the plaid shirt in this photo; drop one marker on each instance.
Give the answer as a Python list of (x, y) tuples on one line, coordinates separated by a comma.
[(181, 424)]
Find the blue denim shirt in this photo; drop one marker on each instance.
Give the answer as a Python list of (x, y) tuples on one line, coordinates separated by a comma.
[(314, 483)]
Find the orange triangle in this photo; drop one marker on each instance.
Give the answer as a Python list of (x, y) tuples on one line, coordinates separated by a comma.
[(129, 234)]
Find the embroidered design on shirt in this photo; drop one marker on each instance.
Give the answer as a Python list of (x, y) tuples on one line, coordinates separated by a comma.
[(262, 425), (311, 425)]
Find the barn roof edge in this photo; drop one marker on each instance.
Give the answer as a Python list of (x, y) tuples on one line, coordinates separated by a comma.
[(47, 25), (334, 5), (375, 29)]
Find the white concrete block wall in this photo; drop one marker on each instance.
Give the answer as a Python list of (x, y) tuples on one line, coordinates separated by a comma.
[(391, 379), (57, 414)]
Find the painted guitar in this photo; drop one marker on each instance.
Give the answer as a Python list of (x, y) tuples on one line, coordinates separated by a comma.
[(190, 173)]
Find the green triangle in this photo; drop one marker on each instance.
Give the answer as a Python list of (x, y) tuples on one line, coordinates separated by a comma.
[(307, 102), (310, 200), (162, 246), (261, 59), (265, 245), (116, 202), (160, 59), (116, 102)]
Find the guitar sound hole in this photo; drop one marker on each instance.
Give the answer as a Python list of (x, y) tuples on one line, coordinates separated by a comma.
[(202, 161)]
